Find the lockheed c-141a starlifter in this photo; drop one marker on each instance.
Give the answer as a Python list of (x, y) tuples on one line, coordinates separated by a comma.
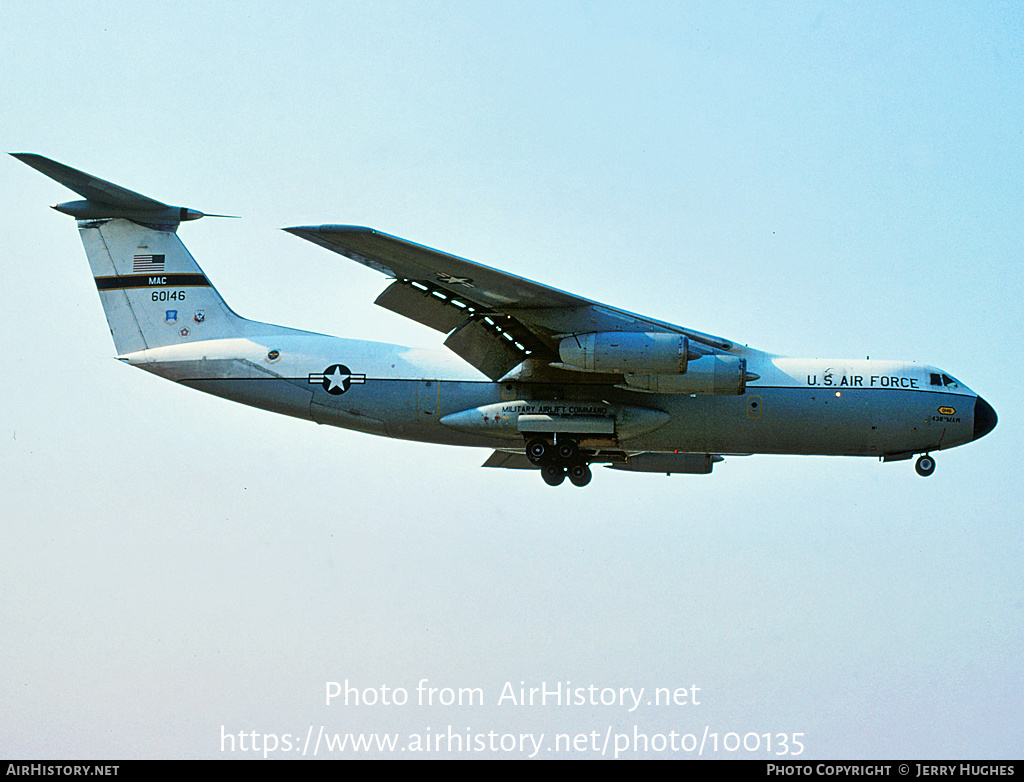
[(545, 379)]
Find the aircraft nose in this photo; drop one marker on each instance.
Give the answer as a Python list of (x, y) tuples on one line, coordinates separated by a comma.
[(984, 418)]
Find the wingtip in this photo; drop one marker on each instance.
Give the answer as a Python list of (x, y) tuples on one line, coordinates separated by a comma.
[(330, 228), (30, 158)]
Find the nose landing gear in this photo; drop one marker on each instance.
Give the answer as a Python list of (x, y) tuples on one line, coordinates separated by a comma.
[(925, 465)]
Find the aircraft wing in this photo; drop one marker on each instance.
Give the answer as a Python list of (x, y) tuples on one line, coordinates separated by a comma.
[(494, 320)]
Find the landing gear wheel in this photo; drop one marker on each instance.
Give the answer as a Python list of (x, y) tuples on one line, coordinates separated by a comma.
[(553, 475), (538, 450), (925, 465), (568, 451), (580, 474)]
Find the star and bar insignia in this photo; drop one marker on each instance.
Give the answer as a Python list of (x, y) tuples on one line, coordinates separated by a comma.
[(336, 379)]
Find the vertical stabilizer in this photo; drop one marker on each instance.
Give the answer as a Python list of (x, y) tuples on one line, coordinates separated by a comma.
[(153, 292)]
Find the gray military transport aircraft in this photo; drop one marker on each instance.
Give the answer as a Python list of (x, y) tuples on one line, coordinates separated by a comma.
[(546, 379)]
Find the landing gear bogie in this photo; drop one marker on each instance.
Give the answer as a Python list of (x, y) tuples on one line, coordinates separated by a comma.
[(559, 460)]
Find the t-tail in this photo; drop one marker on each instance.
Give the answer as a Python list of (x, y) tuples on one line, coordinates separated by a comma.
[(153, 292)]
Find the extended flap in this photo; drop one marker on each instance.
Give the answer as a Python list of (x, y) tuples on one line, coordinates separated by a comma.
[(483, 346), (421, 306)]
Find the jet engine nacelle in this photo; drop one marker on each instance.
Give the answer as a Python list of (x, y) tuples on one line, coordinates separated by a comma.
[(712, 374), (658, 353)]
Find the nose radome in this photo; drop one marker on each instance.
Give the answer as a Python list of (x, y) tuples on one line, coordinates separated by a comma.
[(984, 418)]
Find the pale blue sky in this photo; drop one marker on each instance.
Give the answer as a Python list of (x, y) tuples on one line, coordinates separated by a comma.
[(811, 180)]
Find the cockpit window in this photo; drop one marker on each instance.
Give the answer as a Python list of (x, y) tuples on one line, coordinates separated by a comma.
[(944, 380)]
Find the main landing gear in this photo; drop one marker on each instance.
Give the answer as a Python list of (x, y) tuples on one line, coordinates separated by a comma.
[(925, 465), (558, 460)]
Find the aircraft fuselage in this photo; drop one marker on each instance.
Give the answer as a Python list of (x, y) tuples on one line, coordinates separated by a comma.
[(797, 406)]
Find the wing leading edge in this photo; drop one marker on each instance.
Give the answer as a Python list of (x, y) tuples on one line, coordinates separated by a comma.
[(494, 320)]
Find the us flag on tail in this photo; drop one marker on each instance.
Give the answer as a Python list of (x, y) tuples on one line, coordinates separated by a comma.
[(148, 264)]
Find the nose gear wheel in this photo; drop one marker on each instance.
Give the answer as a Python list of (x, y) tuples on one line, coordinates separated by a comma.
[(925, 465)]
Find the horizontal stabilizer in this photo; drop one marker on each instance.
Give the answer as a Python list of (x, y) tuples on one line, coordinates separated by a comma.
[(96, 190), (105, 199)]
